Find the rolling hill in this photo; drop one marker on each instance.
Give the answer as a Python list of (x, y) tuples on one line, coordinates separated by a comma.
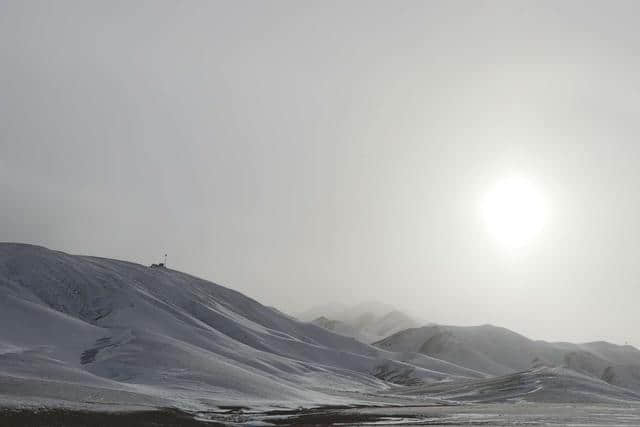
[(87, 332), (499, 351), (103, 331)]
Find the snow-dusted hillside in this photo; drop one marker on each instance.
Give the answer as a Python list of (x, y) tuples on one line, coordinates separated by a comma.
[(542, 384), (85, 329), (499, 351)]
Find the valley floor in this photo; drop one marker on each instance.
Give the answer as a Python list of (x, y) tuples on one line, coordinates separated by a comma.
[(468, 414)]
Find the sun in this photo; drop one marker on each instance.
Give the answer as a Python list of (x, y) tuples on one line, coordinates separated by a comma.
[(514, 211)]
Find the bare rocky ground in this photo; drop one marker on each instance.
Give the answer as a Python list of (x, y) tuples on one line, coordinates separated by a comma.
[(468, 414), (74, 418), (474, 414)]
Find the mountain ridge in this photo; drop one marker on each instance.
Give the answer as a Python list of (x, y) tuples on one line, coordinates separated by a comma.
[(500, 351), (87, 331), (139, 335), (368, 322)]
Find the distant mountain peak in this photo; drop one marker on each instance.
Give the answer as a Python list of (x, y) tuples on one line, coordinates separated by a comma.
[(366, 325)]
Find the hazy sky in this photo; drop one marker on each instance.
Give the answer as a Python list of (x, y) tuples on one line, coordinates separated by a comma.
[(304, 152)]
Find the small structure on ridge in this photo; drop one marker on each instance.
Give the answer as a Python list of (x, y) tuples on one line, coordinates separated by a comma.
[(162, 264)]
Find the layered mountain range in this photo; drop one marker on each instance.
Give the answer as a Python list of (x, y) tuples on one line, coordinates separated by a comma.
[(87, 331)]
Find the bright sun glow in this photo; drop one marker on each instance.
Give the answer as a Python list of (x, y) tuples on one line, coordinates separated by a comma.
[(514, 211)]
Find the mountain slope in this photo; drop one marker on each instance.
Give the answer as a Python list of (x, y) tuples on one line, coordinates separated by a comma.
[(87, 329), (542, 384), (499, 351)]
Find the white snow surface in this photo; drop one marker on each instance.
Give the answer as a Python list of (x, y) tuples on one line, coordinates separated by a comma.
[(499, 351), (90, 332), (102, 331)]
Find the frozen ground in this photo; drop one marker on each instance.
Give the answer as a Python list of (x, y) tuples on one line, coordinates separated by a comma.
[(486, 414), (536, 414)]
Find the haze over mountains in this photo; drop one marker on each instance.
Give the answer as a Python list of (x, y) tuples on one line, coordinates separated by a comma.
[(85, 331), (367, 322)]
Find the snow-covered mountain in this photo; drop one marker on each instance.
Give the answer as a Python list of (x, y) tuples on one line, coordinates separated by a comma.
[(367, 322), (86, 329), (499, 351), (541, 384), (93, 332)]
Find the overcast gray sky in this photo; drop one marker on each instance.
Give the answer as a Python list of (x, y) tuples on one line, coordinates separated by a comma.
[(304, 152)]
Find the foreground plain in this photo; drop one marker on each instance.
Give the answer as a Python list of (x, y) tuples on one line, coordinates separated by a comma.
[(444, 415)]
